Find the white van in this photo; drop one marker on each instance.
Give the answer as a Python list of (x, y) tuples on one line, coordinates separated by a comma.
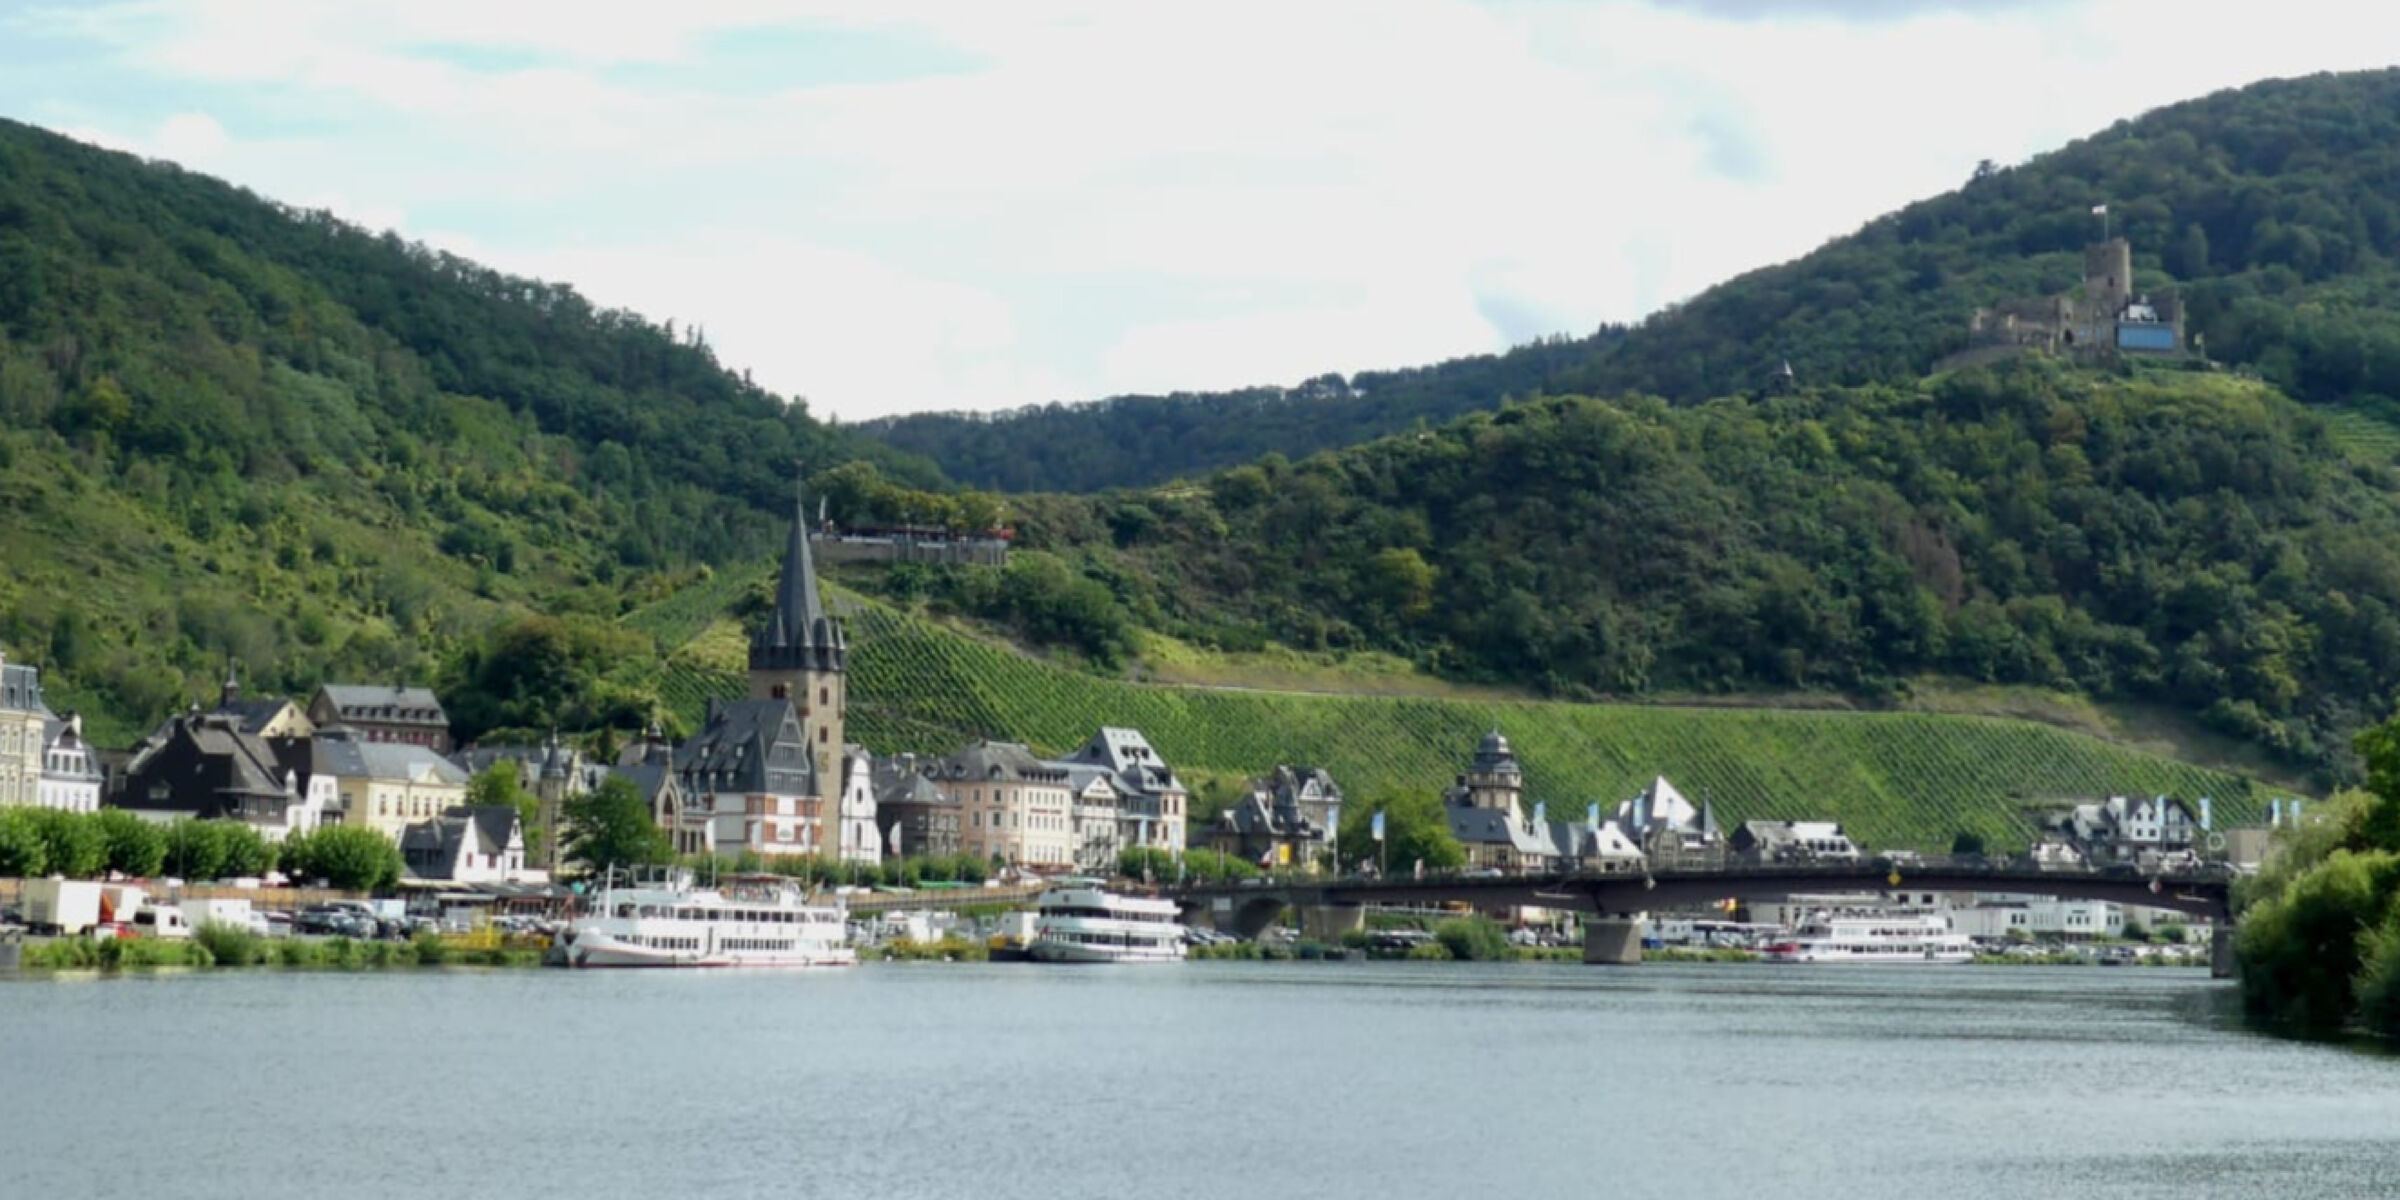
[(159, 921)]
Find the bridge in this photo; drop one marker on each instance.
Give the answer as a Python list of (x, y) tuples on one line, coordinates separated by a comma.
[(1617, 899)]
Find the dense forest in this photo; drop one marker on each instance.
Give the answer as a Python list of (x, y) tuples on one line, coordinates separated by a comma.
[(2275, 208), (234, 430), (2184, 537)]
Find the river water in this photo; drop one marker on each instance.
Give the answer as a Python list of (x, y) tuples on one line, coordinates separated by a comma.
[(1331, 1080)]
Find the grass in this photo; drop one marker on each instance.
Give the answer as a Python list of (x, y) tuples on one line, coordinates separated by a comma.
[(1896, 779)]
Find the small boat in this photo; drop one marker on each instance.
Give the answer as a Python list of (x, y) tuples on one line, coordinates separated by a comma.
[(1891, 939), (1079, 921), (745, 921)]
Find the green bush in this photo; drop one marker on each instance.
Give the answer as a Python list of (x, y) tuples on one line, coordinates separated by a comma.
[(1474, 939), (230, 945)]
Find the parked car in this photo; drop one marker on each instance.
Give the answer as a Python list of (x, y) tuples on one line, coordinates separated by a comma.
[(326, 921)]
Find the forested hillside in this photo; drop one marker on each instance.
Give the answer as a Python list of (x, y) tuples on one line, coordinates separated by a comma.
[(229, 429), (2182, 537), (2276, 208)]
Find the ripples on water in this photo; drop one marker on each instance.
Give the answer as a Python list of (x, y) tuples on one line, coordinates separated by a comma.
[(1210, 1079)]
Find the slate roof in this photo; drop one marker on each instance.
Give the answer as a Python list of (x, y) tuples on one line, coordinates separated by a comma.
[(385, 703), (1138, 768), (751, 746), (252, 716), (21, 688), (986, 760), (1475, 826), (435, 845), (800, 633), (397, 760), (226, 766)]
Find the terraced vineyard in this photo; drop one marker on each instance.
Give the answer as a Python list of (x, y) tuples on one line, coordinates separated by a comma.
[(1894, 779), (2363, 436)]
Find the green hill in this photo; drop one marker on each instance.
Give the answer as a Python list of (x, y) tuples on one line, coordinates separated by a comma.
[(2271, 206), (231, 429), (1895, 779)]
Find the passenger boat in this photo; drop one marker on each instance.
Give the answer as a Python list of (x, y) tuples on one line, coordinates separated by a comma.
[(1079, 921), (1887, 938), (744, 921)]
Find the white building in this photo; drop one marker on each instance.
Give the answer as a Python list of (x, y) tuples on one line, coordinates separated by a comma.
[(70, 780), (859, 840)]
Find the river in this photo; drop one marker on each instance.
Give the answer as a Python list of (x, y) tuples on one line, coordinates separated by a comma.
[(1326, 1081)]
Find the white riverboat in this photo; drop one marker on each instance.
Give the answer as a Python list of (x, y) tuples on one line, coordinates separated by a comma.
[(1079, 921), (1890, 938), (744, 921)]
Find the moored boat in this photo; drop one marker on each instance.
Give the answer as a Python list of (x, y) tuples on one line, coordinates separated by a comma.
[(744, 921), (1872, 938), (1079, 921)]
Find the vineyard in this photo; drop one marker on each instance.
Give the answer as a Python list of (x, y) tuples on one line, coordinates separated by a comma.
[(1894, 779), (2363, 436)]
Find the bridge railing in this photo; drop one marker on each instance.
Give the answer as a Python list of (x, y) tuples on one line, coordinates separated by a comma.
[(2008, 868)]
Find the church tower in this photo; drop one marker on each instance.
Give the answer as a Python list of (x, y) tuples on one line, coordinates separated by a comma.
[(800, 655)]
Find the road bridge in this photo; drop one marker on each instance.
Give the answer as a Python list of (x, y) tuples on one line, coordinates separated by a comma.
[(1617, 899)]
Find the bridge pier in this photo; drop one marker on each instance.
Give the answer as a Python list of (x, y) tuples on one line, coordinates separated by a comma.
[(2220, 952), (1612, 941), (1328, 922)]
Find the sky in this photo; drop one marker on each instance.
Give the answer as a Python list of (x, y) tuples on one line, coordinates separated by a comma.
[(909, 205)]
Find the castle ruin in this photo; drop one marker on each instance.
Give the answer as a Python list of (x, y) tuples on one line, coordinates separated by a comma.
[(2107, 318)]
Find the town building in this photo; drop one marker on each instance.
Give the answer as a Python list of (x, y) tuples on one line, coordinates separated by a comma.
[(1152, 802), (1486, 813), (1099, 820), (23, 720), (70, 777), (918, 818), (1670, 830), (379, 713), (1013, 807), (649, 765), (858, 839), (1289, 819), (2153, 832), (383, 785), (201, 766), (1765, 843), (469, 844), (749, 781), (271, 717), (554, 773)]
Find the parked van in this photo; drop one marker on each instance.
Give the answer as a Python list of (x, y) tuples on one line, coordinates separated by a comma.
[(159, 921)]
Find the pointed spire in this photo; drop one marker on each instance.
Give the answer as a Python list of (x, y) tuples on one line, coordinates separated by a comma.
[(799, 632)]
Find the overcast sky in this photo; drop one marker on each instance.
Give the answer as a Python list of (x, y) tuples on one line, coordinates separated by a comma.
[(890, 206)]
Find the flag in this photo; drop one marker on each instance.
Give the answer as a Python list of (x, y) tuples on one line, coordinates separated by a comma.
[(2204, 814), (2274, 811), (1592, 814), (2295, 810), (2099, 210), (1375, 827), (1541, 813)]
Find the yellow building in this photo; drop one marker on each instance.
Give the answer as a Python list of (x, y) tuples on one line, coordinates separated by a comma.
[(22, 715), (388, 786)]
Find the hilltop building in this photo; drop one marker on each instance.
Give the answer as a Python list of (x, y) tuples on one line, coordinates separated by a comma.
[(2105, 319)]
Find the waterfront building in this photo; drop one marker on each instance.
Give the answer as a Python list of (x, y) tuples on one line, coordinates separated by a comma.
[(1013, 807), (1762, 843), (749, 780), (917, 817), (380, 713), (469, 844), (385, 786), (70, 777), (1671, 831), (860, 841), (1289, 819), (23, 719), (2151, 831), (1152, 802), (201, 766), (1099, 816)]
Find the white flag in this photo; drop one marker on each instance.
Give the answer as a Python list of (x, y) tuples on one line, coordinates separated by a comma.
[(1375, 827), (2099, 210)]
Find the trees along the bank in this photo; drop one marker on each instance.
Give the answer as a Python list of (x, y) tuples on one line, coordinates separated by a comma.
[(353, 857), (1415, 829), (135, 847), (611, 827), (2319, 944)]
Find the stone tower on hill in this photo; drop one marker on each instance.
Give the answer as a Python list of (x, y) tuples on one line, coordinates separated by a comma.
[(800, 656)]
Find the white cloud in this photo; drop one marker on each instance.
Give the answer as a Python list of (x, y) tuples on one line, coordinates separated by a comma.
[(1107, 197)]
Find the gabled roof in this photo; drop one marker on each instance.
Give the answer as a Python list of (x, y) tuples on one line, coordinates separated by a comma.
[(254, 715), (750, 746), (1128, 754), (21, 688), (986, 760), (404, 761), (1474, 826), (1660, 806)]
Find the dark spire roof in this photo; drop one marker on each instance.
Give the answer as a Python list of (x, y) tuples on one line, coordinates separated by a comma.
[(800, 634)]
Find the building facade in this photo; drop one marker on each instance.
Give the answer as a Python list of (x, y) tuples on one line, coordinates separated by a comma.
[(410, 716), (919, 819), (22, 720), (1288, 821), (386, 786), (70, 776), (1014, 809), (1152, 803), (203, 767)]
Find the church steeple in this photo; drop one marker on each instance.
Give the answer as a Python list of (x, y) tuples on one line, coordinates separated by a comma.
[(800, 635)]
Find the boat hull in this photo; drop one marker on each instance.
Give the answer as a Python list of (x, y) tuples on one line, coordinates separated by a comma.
[(598, 950), (1050, 950)]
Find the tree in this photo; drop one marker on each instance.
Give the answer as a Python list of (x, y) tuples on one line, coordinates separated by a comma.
[(23, 852), (352, 857), (135, 847), (1415, 830), (1968, 844), (196, 849), (72, 843), (610, 826), (247, 854)]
